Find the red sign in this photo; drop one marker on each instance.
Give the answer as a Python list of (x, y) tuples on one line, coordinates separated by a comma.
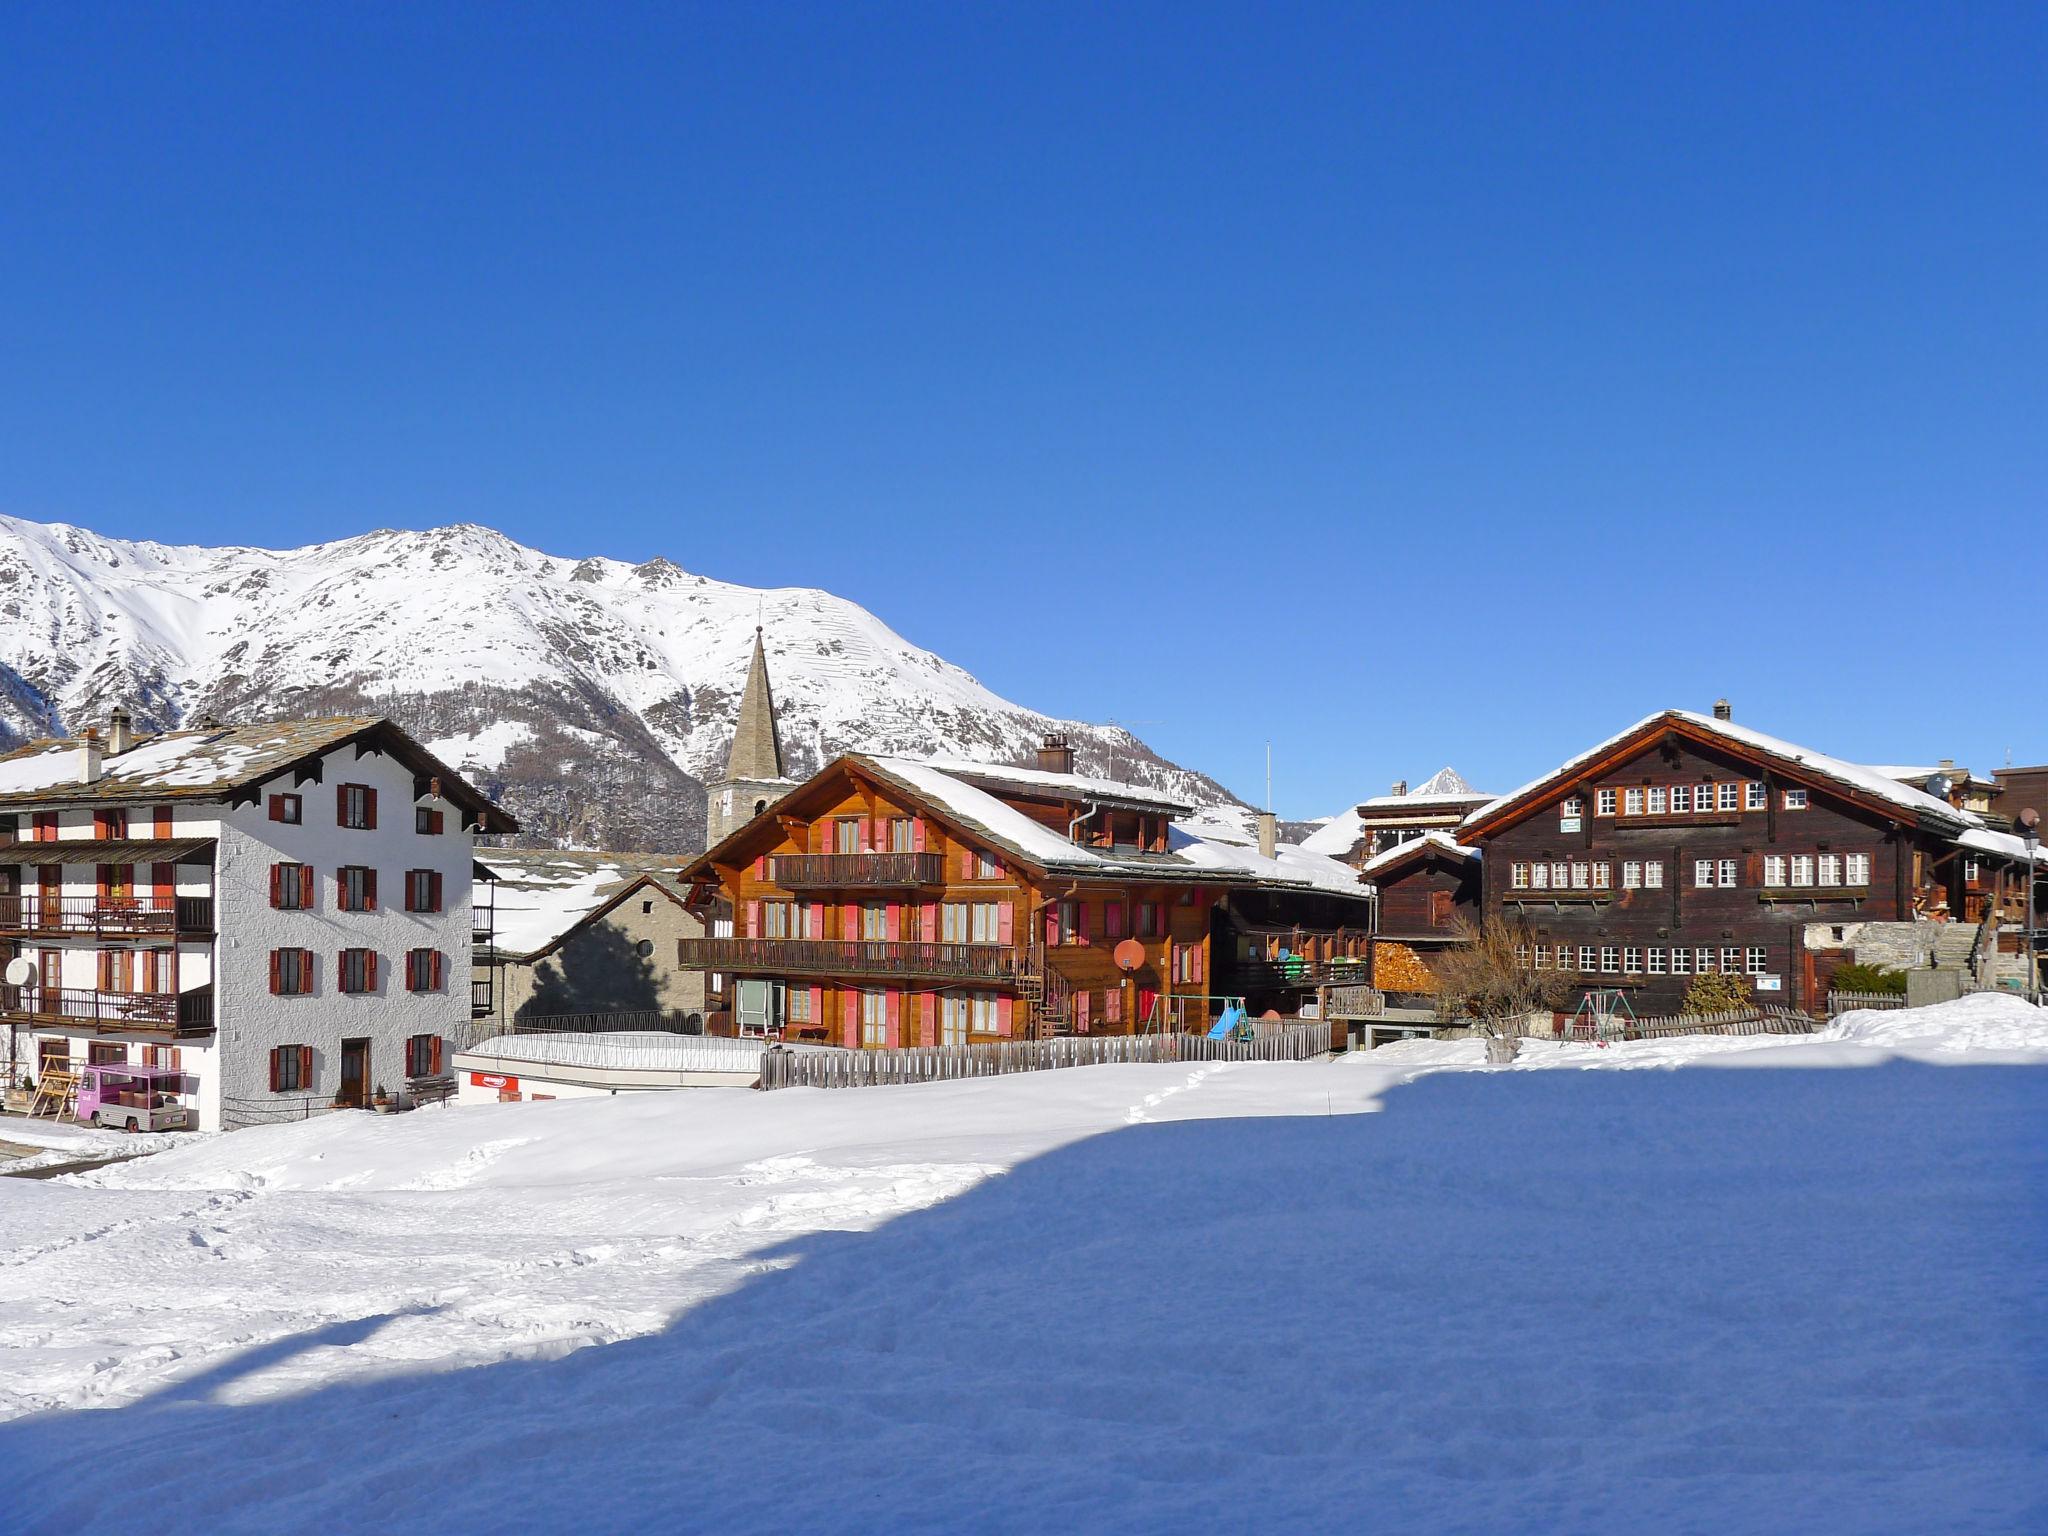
[(496, 1080)]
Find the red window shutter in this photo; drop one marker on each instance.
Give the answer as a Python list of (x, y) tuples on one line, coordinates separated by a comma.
[(341, 970), (437, 976), (369, 970), (106, 880), (917, 834), (369, 890), (276, 979), (163, 884), (277, 807), (306, 886), (277, 885), (370, 809), (341, 805), (412, 970), (161, 816), (276, 1055), (434, 1055), (434, 891), (305, 970), (305, 1069), (753, 919)]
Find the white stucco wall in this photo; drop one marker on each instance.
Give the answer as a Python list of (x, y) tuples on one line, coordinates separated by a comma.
[(233, 1066)]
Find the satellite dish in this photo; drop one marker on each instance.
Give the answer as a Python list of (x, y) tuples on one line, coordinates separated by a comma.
[(1128, 955), (19, 972), (1940, 785)]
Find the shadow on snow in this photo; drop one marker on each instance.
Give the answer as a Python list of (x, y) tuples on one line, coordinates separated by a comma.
[(1712, 1300)]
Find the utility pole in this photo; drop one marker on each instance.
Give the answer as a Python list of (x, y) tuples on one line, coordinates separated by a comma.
[(2030, 822)]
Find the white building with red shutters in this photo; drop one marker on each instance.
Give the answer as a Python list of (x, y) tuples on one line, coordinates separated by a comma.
[(279, 913)]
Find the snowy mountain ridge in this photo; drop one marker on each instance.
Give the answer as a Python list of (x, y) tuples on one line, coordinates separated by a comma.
[(573, 687)]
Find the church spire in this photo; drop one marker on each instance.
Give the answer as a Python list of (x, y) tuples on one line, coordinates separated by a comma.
[(756, 748)]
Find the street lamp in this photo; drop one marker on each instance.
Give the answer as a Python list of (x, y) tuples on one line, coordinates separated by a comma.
[(2029, 823)]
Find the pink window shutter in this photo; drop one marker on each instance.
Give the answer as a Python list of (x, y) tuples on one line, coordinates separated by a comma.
[(1052, 924), (849, 921), (928, 1020), (895, 1018), (917, 834), (866, 835), (814, 920), (761, 866), (818, 1005), (753, 919), (895, 928), (1112, 919), (1006, 1015), (966, 863), (1006, 923), (931, 922), (853, 1019), (1081, 1012)]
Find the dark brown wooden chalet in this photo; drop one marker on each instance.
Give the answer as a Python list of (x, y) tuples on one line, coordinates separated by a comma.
[(1427, 887), (889, 902), (1688, 843)]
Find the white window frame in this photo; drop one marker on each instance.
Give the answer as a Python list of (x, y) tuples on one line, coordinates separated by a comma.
[(1632, 802), (1774, 871), (1631, 874), (1731, 959), (1657, 799), (1631, 960), (1759, 960), (1653, 874), (1653, 958), (1731, 874), (1539, 876), (1572, 805), (1610, 959), (1729, 796), (1703, 874), (1827, 871), (1856, 869), (1604, 801), (1681, 960), (1802, 869), (1795, 800), (1681, 799), (1518, 876), (1755, 796), (1589, 959)]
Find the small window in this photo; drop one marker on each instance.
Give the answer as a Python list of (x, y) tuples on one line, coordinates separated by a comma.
[(1582, 877), (423, 1056), (1703, 873), (900, 835), (1521, 957), (1542, 957), (427, 821), (1802, 869), (1632, 875), (1795, 799), (1610, 959), (355, 807), (1658, 799), (1731, 960), (1681, 961), (356, 888), (1603, 802), (288, 809), (1730, 795), (987, 866), (1970, 870), (291, 972), (1603, 876), (1856, 869), (1829, 870), (1632, 803), (1758, 960), (1774, 871), (874, 1018), (1653, 874), (291, 887), (1560, 874), (1631, 960), (1730, 871), (423, 970), (422, 890), (1539, 877), (291, 1069), (1655, 958), (1573, 806), (1518, 877), (1756, 797), (1703, 960), (358, 970), (644, 948), (1589, 958)]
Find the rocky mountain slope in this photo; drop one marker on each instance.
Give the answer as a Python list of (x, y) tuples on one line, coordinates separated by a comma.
[(595, 697)]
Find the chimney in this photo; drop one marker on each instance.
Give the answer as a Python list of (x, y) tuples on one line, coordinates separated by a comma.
[(120, 732), (1055, 755), (1722, 710), (1948, 765), (1400, 786), (1269, 834), (89, 769)]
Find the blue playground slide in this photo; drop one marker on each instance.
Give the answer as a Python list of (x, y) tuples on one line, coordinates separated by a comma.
[(1232, 1017)]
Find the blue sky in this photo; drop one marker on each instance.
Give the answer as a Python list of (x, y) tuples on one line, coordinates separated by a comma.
[(1402, 385)]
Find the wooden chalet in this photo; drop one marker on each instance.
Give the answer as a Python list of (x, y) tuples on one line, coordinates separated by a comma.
[(1688, 843), (888, 901), (1383, 822)]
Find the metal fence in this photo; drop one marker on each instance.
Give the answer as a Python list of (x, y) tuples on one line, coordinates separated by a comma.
[(654, 1021), (942, 1063)]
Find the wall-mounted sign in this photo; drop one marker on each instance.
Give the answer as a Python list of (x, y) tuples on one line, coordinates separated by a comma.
[(1567, 823), (496, 1080), (1770, 983)]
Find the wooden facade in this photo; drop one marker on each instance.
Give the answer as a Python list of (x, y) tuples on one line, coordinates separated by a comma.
[(1427, 886), (868, 911), (1680, 848)]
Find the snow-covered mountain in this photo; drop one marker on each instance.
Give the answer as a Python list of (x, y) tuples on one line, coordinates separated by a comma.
[(594, 695)]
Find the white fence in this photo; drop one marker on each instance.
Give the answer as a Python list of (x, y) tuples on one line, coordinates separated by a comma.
[(941, 1063)]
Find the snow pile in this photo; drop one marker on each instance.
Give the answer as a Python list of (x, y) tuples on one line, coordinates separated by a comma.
[(1651, 1296)]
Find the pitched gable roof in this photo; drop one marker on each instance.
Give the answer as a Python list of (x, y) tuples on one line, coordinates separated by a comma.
[(215, 762), (1853, 781), (1438, 842)]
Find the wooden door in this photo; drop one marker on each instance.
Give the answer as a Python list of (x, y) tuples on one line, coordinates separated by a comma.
[(355, 1073), (49, 890)]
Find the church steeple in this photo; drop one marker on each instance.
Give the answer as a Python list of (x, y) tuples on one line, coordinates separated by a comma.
[(756, 748), (753, 768)]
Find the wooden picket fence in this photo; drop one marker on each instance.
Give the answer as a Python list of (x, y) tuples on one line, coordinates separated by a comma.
[(1768, 1020), (1840, 1002), (944, 1063)]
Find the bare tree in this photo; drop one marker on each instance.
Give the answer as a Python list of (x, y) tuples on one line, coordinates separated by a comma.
[(1486, 977)]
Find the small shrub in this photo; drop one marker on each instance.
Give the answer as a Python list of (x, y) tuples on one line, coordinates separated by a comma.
[(1716, 992), (1868, 978)]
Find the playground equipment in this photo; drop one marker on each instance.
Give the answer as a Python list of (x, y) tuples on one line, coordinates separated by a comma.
[(1603, 1014)]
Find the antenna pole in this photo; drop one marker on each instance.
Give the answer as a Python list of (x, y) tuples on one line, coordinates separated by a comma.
[(1269, 775)]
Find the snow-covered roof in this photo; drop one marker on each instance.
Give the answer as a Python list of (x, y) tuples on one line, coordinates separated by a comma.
[(1439, 840), (1075, 785), (1201, 849), (1337, 836), (209, 762), (1445, 787), (1854, 776), (2003, 844), (542, 893)]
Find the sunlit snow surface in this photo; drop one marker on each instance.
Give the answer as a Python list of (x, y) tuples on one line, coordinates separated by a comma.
[(1607, 1289)]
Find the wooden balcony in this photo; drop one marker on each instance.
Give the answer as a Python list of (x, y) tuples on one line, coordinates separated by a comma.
[(850, 871), (91, 918), (179, 1015), (481, 1005), (853, 957)]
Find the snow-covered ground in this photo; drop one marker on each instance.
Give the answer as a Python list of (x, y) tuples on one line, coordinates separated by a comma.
[(1401, 1292)]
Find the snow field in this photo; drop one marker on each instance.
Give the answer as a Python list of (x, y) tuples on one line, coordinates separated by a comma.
[(1648, 1295)]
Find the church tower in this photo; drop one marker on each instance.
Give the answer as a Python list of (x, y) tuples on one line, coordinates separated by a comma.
[(753, 770)]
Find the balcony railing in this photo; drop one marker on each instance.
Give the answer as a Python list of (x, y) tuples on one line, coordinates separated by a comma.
[(480, 1004), (166, 1013), (89, 916), (835, 871), (853, 957)]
